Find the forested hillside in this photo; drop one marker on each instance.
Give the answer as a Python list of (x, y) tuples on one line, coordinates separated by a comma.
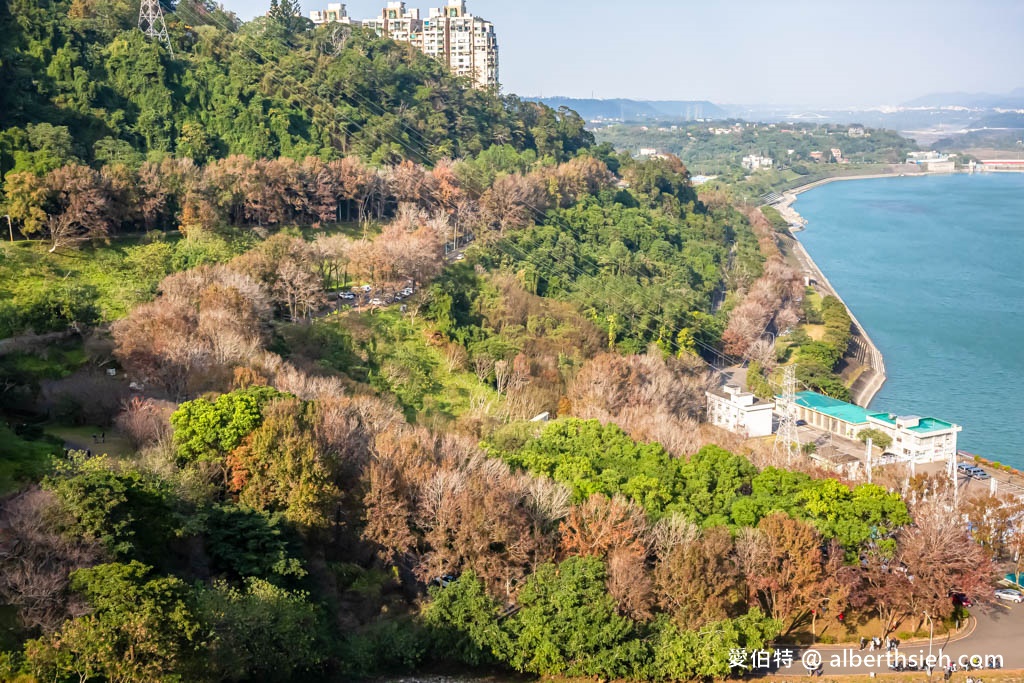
[(303, 294), (80, 84)]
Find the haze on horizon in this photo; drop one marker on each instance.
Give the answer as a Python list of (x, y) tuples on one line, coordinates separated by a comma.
[(827, 54)]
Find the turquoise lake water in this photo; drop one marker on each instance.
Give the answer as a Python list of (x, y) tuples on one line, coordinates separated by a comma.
[(933, 267)]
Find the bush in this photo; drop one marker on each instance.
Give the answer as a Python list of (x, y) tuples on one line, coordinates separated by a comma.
[(384, 647)]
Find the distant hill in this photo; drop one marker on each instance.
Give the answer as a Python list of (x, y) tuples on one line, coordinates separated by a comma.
[(1011, 100), (632, 110)]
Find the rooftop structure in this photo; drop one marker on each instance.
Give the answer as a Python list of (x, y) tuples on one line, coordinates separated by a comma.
[(467, 44), (335, 13)]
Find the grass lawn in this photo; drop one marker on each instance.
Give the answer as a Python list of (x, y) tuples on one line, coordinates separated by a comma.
[(114, 443), (397, 355), (117, 275), (24, 459), (815, 332)]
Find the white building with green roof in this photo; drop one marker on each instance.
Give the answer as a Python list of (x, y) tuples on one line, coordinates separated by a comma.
[(922, 439)]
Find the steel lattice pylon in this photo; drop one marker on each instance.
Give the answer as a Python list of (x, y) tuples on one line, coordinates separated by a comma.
[(151, 22), (787, 438)]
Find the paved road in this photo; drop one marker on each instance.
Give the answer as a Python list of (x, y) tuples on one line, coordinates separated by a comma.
[(997, 631)]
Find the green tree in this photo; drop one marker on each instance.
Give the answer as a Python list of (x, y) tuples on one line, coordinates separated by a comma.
[(705, 654), (130, 512), (206, 431), (568, 625), (141, 629), (714, 479), (464, 623), (260, 632), (246, 543), (877, 436)]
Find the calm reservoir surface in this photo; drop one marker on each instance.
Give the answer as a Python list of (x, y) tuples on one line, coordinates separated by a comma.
[(933, 267)]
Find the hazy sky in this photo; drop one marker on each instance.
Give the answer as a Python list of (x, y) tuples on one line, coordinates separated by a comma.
[(818, 52)]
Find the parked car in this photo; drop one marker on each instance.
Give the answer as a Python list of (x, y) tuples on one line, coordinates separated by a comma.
[(443, 581), (407, 291), (367, 288), (1010, 595), (376, 302), (979, 473), (960, 599), (347, 295), (965, 468), (801, 423)]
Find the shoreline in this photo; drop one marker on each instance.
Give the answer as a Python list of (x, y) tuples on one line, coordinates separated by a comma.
[(862, 349)]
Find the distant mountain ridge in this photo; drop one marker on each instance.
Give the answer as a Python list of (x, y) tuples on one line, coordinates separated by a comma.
[(1011, 100), (632, 110)]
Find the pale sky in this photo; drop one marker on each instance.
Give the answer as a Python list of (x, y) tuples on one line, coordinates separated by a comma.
[(815, 52)]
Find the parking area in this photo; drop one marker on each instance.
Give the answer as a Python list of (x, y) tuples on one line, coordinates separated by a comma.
[(367, 296)]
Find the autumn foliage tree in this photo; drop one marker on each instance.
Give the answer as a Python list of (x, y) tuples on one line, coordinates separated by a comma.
[(786, 571), (205, 321), (650, 396), (771, 298)]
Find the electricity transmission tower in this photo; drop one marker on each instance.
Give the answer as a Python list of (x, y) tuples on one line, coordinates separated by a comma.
[(787, 438), (151, 22)]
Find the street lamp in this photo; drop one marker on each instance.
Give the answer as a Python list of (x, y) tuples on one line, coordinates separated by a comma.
[(10, 228)]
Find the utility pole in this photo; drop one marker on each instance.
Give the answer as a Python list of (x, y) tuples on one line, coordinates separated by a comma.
[(151, 22), (956, 480), (931, 639), (10, 228), (867, 464), (787, 439)]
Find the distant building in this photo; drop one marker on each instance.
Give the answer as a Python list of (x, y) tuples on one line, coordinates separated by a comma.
[(754, 162), (922, 439), (817, 156), (740, 411), (857, 132), (467, 44), (837, 155), (647, 152), (933, 162)]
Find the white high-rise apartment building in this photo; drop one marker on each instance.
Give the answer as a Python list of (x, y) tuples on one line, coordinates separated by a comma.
[(466, 43), (450, 34)]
